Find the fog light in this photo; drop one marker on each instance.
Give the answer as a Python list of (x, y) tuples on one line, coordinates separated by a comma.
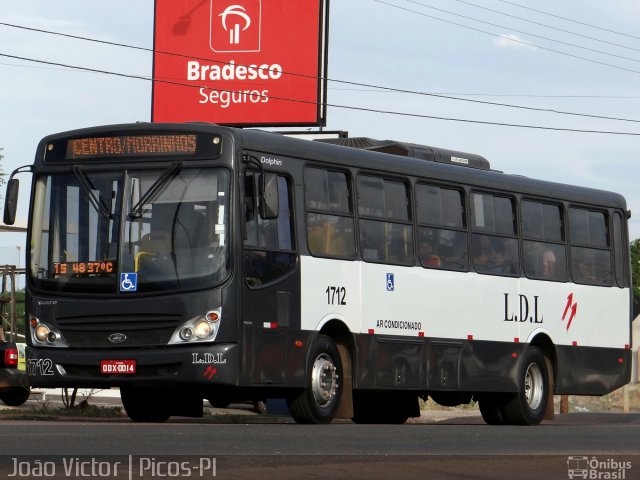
[(203, 329), (52, 337), (42, 332), (186, 333)]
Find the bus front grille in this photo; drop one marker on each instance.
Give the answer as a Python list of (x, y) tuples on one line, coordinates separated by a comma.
[(114, 332)]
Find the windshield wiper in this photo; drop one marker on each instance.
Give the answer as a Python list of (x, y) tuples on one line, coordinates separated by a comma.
[(136, 210), (96, 202)]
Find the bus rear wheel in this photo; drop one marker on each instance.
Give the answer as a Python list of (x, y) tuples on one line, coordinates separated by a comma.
[(144, 404), (491, 408), (384, 407), (528, 406), (318, 402)]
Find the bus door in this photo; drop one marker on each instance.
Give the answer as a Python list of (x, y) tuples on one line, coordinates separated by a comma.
[(270, 285)]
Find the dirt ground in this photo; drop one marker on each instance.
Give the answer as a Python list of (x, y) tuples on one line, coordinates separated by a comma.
[(612, 403)]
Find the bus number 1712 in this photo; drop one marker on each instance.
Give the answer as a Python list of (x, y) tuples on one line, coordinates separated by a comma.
[(336, 295)]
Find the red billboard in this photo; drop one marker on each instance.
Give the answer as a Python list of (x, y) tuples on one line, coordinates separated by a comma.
[(240, 62)]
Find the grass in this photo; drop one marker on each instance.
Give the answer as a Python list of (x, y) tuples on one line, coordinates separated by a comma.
[(44, 411)]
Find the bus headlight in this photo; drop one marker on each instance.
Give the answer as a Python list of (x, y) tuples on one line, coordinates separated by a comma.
[(43, 334), (186, 333), (203, 328)]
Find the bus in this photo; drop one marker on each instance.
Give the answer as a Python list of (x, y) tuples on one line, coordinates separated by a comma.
[(184, 262)]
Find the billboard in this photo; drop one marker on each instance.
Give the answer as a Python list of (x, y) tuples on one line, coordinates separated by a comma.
[(240, 62)]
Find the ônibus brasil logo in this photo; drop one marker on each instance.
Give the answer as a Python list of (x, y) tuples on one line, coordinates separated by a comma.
[(235, 25)]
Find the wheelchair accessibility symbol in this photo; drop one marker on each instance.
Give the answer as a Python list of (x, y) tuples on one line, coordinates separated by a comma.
[(128, 282), (391, 284)]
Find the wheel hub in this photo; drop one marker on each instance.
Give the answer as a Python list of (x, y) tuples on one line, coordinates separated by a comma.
[(324, 380), (533, 386)]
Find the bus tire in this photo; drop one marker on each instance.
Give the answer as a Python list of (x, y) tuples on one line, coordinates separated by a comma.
[(383, 408), (219, 402), (144, 404), (528, 406), (15, 396), (318, 402), (491, 408)]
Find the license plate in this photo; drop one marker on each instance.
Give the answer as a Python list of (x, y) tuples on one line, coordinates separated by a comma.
[(122, 367)]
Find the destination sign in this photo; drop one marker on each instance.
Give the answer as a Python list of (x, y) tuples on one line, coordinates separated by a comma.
[(128, 146)]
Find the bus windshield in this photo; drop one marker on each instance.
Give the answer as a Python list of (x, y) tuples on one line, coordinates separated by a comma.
[(130, 231)]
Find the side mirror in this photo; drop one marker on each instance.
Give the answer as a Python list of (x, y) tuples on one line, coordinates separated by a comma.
[(11, 201), (269, 201)]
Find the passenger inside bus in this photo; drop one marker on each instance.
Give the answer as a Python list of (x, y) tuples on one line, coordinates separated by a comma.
[(540, 260), (457, 256), (396, 250), (484, 254), (494, 255), (152, 245), (428, 258), (325, 238)]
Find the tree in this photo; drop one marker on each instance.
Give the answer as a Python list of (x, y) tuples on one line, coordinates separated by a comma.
[(635, 273)]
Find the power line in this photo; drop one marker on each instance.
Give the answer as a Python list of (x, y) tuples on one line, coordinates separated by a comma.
[(347, 107), (570, 19), (523, 32), (22, 65), (334, 80), (510, 39), (620, 45), (527, 95), (377, 90)]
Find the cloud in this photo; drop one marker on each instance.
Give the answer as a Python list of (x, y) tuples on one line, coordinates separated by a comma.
[(510, 40), (43, 22)]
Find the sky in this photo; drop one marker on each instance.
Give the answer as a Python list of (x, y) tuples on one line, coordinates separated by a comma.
[(581, 57)]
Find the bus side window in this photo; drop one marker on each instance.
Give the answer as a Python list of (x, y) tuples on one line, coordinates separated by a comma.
[(620, 251), (590, 247), (386, 227), (262, 233), (494, 241), (544, 249), (330, 223), (269, 246), (442, 236)]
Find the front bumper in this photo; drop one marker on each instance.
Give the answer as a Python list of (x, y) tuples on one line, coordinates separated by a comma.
[(204, 365)]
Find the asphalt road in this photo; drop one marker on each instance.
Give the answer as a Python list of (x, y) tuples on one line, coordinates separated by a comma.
[(453, 448)]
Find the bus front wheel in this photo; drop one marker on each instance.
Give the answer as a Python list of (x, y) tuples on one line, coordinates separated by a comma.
[(144, 404), (318, 402)]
